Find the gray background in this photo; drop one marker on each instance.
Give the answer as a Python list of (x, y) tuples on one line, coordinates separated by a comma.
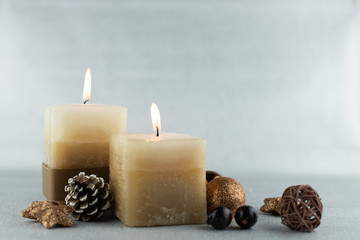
[(272, 85)]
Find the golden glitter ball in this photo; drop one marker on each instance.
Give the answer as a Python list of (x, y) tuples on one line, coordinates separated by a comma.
[(224, 191)]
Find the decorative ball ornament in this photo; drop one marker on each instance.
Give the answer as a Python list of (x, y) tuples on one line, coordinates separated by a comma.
[(224, 191), (301, 208)]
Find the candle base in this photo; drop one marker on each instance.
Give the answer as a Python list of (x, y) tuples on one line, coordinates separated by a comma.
[(55, 180)]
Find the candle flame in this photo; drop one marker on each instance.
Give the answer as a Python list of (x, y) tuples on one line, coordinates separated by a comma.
[(87, 86), (155, 117)]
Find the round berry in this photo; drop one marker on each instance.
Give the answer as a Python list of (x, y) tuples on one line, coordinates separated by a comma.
[(220, 217), (210, 175), (246, 217)]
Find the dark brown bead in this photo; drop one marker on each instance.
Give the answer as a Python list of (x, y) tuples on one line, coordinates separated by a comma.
[(210, 175)]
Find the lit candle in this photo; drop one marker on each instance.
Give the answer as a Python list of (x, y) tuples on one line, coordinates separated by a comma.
[(77, 139), (158, 178)]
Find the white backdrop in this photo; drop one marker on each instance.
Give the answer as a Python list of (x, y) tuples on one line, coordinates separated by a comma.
[(272, 85)]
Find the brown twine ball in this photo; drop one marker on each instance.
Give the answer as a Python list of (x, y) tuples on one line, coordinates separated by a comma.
[(301, 208)]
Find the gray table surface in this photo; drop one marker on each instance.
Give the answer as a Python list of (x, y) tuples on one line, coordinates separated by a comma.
[(340, 220)]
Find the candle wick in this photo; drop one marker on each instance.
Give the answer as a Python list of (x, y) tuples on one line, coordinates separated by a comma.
[(87, 100), (157, 131)]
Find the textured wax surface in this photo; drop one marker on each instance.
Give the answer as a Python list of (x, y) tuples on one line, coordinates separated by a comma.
[(158, 182), (164, 136), (340, 215), (164, 154), (78, 135), (84, 122), (156, 197)]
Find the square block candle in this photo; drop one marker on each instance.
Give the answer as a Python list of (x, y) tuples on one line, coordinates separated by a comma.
[(78, 135), (77, 139), (158, 180)]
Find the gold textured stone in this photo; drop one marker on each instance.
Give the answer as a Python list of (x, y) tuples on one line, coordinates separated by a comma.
[(272, 205), (224, 191)]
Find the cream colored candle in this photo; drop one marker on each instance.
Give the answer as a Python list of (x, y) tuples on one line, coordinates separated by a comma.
[(77, 138), (158, 180), (78, 135)]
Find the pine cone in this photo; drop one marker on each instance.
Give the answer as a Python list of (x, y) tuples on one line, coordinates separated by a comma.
[(88, 196)]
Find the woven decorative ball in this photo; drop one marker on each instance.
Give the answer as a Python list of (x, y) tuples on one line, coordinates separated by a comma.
[(301, 208)]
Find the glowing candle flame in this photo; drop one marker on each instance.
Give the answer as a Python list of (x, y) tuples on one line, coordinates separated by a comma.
[(87, 86), (155, 117)]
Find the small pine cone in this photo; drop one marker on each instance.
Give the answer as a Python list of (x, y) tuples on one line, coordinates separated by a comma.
[(88, 196)]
